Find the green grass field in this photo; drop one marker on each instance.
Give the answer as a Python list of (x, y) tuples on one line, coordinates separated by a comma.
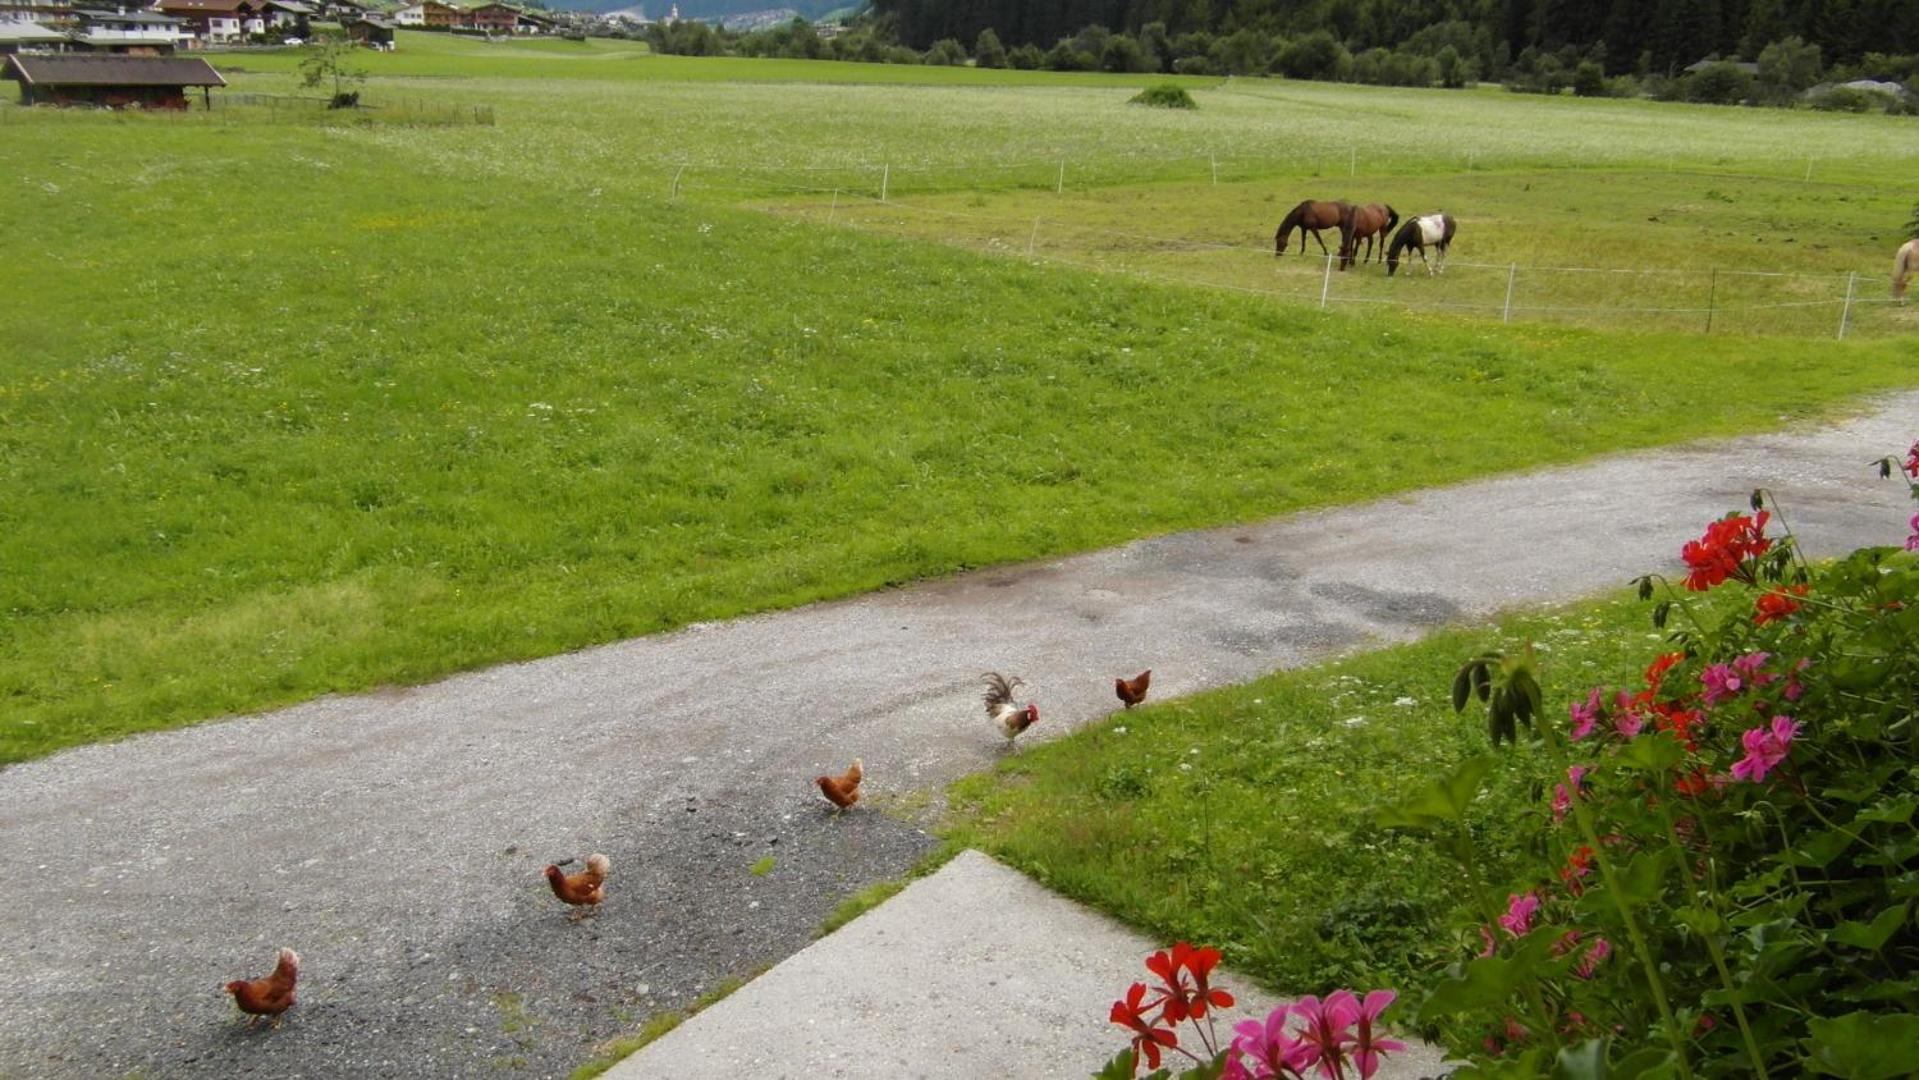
[(1243, 818), (304, 404)]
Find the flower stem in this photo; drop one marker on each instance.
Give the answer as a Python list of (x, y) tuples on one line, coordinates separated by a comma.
[(1711, 894)]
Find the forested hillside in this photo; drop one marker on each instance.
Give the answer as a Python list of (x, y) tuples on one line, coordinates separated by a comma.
[(1655, 36)]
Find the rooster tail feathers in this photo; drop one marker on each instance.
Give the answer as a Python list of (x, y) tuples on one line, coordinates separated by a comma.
[(598, 864), (857, 772), (999, 690), (289, 962)]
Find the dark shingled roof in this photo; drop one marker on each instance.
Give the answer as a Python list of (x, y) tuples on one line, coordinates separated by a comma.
[(93, 70)]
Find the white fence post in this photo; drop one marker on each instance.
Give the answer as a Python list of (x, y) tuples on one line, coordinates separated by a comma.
[(1032, 238), (1215, 170), (675, 192), (1059, 185), (1512, 273), (886, 177), (1845, 313), (833, 211), (1808, 168), (1326, 286)]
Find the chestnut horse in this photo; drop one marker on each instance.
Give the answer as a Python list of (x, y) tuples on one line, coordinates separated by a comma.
[(1434, 229), (1310, 217), (1365, 223), (1904, 265)]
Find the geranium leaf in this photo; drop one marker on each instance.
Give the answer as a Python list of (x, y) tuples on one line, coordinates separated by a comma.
[(1651, 753), (1819, 849), (1120, 1068), (1587, 1061), (1644, 878), (1209, 1071), (1872, 936), (1462, 688), (1445, 799), (1651, 1063), (1864, 1046), (1893, 813)]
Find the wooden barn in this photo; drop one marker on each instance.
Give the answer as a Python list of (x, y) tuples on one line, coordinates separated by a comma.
[(149, 82)]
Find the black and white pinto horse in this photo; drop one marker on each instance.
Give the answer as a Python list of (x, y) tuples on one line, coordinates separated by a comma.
[(1435, 230)]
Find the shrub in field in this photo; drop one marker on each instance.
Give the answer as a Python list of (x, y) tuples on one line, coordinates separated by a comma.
[(1727, 861), (1722, 83), (1589, 79), (946, 52), (1314, 56), (987, 51), (1848, 99), (1337, 1038), (1164, 96), (1026, 57)]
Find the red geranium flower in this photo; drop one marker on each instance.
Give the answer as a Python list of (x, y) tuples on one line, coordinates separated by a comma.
[(1201, 962), (1912, 461), (1722, 552), (1656, 672), (1178, 994), (1777, 604), (1130, 1013)]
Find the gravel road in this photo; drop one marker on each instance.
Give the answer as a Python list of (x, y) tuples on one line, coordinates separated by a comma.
[(395, 838)]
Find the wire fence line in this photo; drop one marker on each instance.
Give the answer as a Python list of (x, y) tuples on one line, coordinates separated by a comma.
[(1698, 299), (1808, 303)]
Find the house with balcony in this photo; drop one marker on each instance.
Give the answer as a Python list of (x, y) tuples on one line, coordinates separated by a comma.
[(493, 18), (132, 33), (430, 15), (219, 21)]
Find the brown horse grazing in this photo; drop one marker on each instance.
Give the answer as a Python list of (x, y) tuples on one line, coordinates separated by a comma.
[(1310, 217), (1374, 220)]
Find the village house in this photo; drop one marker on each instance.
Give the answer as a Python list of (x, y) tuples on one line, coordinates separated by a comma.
[(134, 33), (430, 14), (531, 23), (149, 82), (287, 14), (219, 21), (373, 31), (493, 18), (17, 35)]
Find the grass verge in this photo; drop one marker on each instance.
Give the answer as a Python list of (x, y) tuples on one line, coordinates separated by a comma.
[(1242, 818), (361, 456), (618, 1050)]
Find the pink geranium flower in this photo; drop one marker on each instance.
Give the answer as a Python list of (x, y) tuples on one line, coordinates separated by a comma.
[(1562, 796), (1585, 716), (1912, 542), (1597, 953), (1268, 1047), (1721, 681), (1325, 1034), (1752, 667), (1366, 1048), (1765, 747), (1519, 913)]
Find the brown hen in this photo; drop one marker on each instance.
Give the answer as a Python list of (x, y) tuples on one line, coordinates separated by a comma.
[(843, 790), (583, 890), (1133, 691), (269, 996)]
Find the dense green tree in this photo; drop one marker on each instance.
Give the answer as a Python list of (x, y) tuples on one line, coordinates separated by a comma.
[(1589, 79), (1787, 69), (987, 50), (946, 52)]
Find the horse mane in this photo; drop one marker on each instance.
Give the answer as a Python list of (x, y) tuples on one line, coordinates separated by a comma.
[(1392, 217), (1291, 220)]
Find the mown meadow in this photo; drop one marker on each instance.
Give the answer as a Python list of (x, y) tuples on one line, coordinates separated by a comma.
[(304, 404)]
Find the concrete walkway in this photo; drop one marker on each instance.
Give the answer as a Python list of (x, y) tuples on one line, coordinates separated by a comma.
[(974, 971), (395, 838)]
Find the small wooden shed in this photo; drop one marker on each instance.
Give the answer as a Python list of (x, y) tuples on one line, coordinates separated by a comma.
[(150, 82)]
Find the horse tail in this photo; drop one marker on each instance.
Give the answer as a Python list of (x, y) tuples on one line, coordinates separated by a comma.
[(1392, 219), (1902, 268)]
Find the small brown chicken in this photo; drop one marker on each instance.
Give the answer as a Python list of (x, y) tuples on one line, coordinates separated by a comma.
[(843, 790), (583, 890), (1133, 691), (270, 996), (1008, 715)]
